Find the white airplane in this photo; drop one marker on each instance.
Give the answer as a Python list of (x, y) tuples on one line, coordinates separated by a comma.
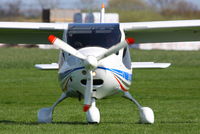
[(94, 60)]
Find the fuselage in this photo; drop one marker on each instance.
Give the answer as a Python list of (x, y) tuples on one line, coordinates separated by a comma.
[(113, 74)]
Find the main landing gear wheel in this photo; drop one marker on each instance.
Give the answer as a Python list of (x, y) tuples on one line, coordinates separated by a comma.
[(146, 113), (45, 115)]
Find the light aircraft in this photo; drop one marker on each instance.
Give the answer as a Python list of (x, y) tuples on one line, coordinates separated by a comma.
[(94, 60)]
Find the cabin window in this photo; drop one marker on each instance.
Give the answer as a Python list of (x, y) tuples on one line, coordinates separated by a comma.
[(93, 35)]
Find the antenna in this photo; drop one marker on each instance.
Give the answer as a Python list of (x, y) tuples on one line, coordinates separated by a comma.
[(102, 16)]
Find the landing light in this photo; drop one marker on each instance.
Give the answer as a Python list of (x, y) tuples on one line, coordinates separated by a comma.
[(94, 73)]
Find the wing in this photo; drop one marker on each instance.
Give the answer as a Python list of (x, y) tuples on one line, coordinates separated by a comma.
[(149, 65), (163, 31), (52, 66), (29, 33), (143, 32)]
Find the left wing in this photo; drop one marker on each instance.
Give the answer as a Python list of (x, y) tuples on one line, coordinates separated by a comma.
[(29, 33), (163, 31)]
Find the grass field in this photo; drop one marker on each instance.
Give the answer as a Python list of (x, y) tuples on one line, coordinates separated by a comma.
[(173, 94)]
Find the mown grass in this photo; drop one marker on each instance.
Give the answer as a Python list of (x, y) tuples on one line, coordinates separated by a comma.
[(173, 94)]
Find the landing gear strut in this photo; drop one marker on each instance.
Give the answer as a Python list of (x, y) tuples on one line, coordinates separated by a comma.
[(146, 113)]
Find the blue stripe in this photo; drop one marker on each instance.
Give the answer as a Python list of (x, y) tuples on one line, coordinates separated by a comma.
[(64, 74), (123, 74)]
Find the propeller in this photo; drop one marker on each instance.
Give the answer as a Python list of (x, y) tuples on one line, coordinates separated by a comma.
[(88, 92), (90, 62), (116, 48), (65, 47)]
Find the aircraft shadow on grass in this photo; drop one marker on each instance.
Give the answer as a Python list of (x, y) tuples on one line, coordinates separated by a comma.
[(9, 122)]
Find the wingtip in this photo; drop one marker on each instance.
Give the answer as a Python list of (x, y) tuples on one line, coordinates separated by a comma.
[(130, 41), (52, 38)]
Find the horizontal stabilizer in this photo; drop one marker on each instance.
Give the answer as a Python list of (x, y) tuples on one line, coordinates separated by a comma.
[(51, 66), (54, 66), (149, 65)]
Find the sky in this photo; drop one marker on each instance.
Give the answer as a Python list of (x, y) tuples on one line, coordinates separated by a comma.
[(66, 3), (195, 2)]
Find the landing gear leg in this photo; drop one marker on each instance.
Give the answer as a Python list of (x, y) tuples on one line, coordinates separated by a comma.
[(93, 114), (146, 113), (45, 114)]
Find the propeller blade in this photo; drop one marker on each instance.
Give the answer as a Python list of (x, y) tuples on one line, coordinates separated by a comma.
[(65, 47), (116, 48), (88, 92)]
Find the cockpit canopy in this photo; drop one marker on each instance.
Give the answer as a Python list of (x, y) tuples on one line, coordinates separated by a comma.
[(92, 35)]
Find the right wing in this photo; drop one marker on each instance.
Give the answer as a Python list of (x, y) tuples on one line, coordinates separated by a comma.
[(29, 33), (163, 31)]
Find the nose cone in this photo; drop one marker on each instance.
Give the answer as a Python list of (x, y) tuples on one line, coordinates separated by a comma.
[(91, 63)]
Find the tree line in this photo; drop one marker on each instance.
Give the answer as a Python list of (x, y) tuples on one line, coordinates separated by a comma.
[(156, 9), (129, 10)]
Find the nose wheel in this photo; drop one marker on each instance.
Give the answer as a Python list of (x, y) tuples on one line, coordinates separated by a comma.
[(93, 114)]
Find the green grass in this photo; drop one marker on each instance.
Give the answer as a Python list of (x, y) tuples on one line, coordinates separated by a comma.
[(173, 94)]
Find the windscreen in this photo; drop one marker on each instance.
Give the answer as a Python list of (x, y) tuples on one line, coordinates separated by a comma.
[(93, 35)]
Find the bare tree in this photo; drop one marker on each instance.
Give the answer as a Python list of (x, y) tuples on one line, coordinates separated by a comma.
[(127, 5), (13, 8), (185, 8), (88, 4), (163, 4), (48, 4), (174, 7), (2, 11)]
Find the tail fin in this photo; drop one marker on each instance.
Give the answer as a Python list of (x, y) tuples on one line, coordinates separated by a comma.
[(102, 17)]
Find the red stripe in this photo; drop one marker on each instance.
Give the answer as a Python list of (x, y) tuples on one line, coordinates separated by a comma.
[(122, 87)]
